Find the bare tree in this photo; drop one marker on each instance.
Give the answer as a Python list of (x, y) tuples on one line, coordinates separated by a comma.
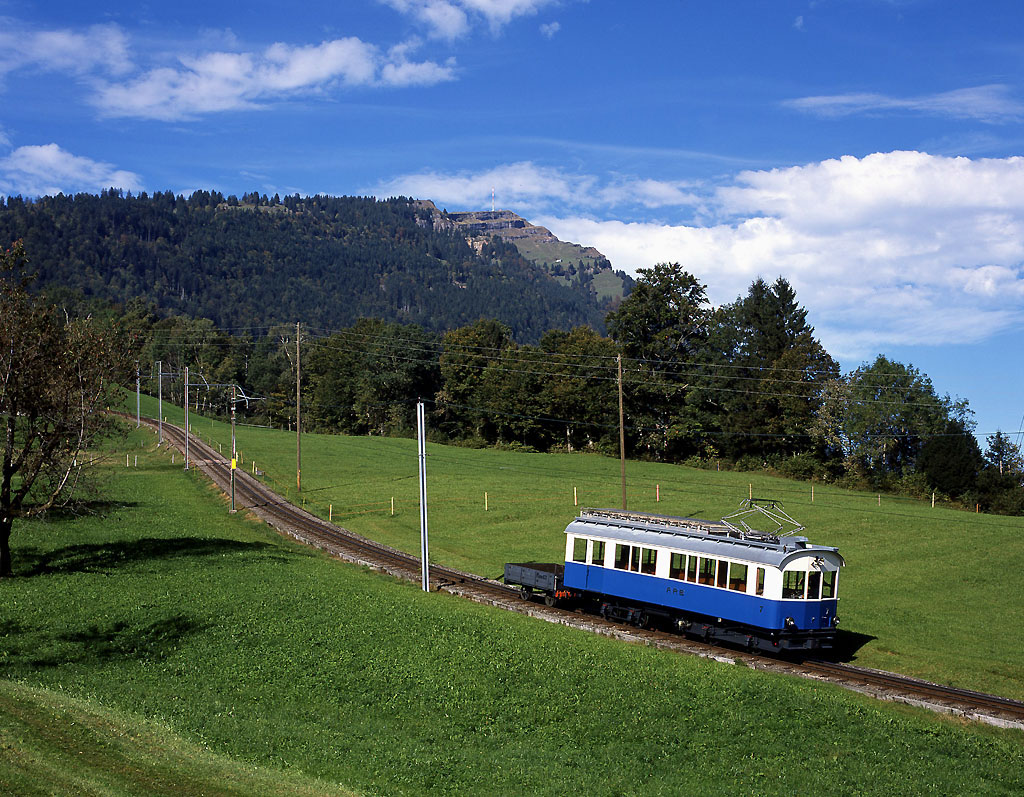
[(57, 378)]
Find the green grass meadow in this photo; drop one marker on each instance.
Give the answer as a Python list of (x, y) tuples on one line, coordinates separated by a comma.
[(930, 592), (170, 647)]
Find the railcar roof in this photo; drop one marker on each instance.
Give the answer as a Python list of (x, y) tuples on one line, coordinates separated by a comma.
[(691, 534)]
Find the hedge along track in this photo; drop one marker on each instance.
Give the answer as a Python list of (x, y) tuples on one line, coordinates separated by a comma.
[(253, 496)]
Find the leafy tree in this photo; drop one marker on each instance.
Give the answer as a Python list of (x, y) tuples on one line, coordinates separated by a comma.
[(879, 417), (366, 379), (665, 317), (662, 326), (581, 388), (466, 353), (56, 377), (769, 372), (951, 461), (1001, 482), (1003, 454)]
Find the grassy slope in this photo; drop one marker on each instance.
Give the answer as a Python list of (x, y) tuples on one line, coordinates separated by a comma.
[(52, 743), (933, 593), (167, 607)]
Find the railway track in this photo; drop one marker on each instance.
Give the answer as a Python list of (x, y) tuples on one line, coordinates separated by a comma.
[(253, 496)]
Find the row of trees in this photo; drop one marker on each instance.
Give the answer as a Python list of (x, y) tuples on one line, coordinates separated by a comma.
[(746, 384)]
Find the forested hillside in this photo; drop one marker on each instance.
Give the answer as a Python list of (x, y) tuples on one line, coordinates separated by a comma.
[(259, 260)]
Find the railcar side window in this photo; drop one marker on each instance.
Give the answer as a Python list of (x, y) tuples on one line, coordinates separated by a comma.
[(760, 581), (828, 584), (707, 571), (677, 566), (691, 569), (634, 561), (793, 583), (621, 557), (597, 557), (648, 560), (738, 577), (723, 573), (813, 585), (579, 549)]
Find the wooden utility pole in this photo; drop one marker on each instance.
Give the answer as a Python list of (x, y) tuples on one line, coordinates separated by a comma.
[(298, 413), (622, 437)]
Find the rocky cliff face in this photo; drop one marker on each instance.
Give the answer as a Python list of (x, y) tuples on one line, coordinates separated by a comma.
[(516, 229), (567, 263)]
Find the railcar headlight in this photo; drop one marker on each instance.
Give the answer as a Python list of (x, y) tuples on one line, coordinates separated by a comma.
[(790, 623)]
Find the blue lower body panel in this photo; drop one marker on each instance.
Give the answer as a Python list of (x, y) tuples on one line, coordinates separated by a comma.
[(730, 605)]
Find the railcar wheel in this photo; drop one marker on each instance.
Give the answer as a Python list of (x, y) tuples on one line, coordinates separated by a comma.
[(550, 600), (524, 593)]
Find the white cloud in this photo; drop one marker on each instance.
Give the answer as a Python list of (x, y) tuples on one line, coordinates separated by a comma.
[(100, 48), (549, 29), (897, 248), (449, 19), (49, 170), (225, 81), (522, 185), (991, 103), (532, 188)]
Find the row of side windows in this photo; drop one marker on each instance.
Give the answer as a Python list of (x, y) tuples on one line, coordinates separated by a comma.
[(683, 567), (799, 584), (715, 572)]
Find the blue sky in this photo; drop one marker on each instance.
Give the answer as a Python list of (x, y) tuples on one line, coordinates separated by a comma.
[(867, 150)]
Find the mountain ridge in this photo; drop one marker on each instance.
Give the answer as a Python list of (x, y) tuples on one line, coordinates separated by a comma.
[(259, 261)]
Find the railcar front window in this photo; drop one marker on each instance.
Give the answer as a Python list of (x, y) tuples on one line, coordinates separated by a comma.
[(793, 582), (677, 566), (597, 556), (648, 560), (706, 575), (738, 577), (828, 584), (723, 573), (760, 581), (814, 585), (579, 550), (691, 569), (622, 557)]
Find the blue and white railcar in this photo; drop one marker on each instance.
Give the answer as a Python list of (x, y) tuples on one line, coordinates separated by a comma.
[(716, 579)]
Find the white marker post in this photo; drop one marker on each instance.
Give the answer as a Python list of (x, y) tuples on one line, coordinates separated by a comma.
[(421, 433)]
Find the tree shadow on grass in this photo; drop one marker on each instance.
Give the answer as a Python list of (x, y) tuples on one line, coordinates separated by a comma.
[(104, 557), (95, 645), (88, 507)]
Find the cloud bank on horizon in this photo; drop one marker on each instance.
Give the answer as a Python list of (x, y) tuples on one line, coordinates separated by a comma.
[(900, 248)]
